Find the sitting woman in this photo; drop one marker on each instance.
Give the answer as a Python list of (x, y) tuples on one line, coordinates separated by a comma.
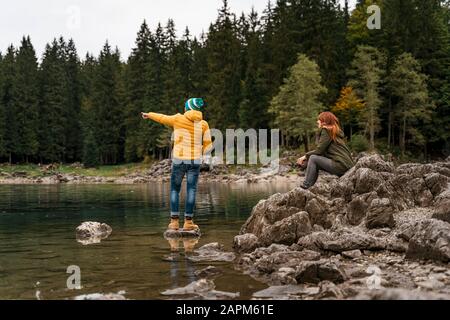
[(332, 153)]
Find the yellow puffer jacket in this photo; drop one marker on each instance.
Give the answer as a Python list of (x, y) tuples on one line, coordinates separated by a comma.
[(192, 137)]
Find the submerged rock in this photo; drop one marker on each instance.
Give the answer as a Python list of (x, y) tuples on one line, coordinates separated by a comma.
[(102, 296), (208, 272), (203, 288), (92, 232), (211, 252)]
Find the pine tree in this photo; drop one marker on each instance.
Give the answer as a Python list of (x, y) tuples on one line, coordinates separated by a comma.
[(9, 89), (73, 108), (25, 100), (108, 105), (2, 111), (224, 71), (366, 75), (297, 105), (53, 103), (255, 100), (412, 106), (90, 150)]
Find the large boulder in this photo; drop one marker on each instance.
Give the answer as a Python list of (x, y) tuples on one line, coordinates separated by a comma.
[(288, 230), (317, 271), (430, 239), (380, 214), (442, 206)]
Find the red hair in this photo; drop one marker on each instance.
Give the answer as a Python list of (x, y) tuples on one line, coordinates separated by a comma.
[(331, 123)]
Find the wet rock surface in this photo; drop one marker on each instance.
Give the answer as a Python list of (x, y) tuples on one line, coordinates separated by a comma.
[(378, 232), (211, 252), (92, 232), (203, 289)]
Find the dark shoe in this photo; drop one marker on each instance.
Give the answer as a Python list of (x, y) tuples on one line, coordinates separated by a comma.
[(304, 187)]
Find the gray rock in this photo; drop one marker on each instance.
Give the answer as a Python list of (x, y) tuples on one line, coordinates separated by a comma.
[(352, 254), (286, 259), (399, 294), (328, 290), (288, 230), (430, 240), (442, 206), (92, 232), (380, 214), (245, 243), (436, 182), (357, 210), (317, 271), (208, 272), (284, 292), (375, 163), (318, 212), (196, 287), (211, 252), (102, 296)]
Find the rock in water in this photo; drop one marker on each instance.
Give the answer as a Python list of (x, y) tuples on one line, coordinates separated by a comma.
[(171, 234), (245, 242), (203, 288), (212, 252), (92, 232), (101, 296)]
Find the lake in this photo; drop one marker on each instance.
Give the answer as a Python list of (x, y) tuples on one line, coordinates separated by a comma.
[(38, 243)]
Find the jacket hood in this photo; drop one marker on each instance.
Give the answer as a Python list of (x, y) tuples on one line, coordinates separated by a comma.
[(193, 115)]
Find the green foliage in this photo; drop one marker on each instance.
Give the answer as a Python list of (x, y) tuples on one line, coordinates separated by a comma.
[(359, 143), (297, 105), (239, 65), (91, 154), (366, 76), (412, 103)]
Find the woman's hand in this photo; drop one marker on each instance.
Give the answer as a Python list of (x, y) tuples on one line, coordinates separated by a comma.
[(301, 160), (144, 115)]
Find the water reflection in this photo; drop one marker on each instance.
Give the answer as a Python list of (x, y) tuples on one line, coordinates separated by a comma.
[(38, 242), (180, 266)]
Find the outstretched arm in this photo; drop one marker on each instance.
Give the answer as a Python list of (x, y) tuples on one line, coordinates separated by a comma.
[(160, 118)]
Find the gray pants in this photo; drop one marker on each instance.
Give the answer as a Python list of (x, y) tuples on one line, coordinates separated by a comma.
[(316, 163)]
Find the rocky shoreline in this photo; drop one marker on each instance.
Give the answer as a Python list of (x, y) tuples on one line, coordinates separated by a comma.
[(378, 232), (160, 172)]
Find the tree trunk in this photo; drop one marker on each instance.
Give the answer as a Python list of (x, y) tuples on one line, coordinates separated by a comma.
[(306, 142), (402, 137), (390, 123)]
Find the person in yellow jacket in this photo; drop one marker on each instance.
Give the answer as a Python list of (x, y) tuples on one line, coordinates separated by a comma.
[(192, 140)]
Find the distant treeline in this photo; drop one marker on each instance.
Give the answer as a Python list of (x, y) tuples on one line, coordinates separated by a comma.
[(67, 109)]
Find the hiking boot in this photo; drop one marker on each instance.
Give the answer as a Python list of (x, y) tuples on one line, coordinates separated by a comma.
[(189, 225), (174, 224)]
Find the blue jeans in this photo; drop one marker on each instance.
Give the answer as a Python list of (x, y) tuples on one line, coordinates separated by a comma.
[(192, 171)]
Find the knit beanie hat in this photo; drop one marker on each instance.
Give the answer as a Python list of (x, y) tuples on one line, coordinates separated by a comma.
[(194, 104)]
